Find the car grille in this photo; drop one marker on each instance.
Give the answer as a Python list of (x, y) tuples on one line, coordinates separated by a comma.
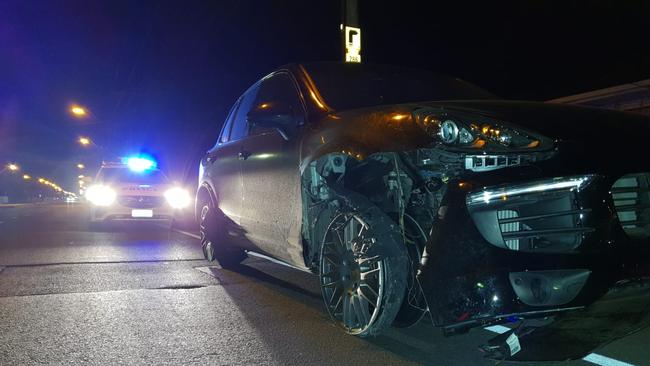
[(631, 195), (141, 201), (541, 230), (532, 220)]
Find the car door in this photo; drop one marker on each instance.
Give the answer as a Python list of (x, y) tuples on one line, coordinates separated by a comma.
[(272, 206), (223, 166)]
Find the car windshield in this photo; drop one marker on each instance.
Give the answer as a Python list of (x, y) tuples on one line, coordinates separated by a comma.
[(350, 86), (123, 175)]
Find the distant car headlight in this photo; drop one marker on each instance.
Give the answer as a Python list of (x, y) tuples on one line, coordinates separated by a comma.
[(178, 197), (100, 195), (469, 131)]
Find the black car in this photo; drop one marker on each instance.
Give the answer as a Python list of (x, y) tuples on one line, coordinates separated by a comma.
[(409, 192)]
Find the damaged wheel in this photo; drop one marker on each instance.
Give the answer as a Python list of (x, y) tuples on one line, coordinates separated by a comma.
[(362, 275), (214, 238)]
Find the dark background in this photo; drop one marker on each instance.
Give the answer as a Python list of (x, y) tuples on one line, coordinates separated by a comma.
[(159, 76)]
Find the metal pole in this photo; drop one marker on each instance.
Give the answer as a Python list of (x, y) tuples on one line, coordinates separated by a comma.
[(350, 18)]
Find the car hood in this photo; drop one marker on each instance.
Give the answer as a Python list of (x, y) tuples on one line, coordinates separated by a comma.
[(564, 122), (595, 140)]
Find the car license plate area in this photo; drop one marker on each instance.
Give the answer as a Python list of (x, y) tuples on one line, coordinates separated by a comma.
[(141, 213)]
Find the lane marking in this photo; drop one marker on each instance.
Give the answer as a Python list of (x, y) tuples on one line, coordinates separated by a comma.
[(192, 235), (604, 361), (592, 357)]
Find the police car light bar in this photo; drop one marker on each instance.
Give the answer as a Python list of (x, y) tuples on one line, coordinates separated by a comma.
[(140, 164)]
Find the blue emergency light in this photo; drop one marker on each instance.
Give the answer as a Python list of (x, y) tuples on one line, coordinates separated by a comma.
[(140, 164)]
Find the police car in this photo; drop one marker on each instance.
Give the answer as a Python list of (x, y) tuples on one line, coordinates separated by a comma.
[(134, 189)]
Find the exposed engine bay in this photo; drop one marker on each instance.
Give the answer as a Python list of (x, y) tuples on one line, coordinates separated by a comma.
[(408, 186)]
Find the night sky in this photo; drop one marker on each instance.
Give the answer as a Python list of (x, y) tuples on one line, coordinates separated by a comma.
[(159, 76)]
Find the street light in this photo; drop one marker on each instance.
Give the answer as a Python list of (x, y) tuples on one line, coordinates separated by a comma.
[(13, 167), (80, 166), (26, 177), (78, 111), (84, 141)]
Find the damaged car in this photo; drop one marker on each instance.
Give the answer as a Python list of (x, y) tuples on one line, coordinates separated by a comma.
[(410, 194)]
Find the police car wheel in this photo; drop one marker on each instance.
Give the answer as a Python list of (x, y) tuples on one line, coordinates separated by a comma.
[(214, 239)]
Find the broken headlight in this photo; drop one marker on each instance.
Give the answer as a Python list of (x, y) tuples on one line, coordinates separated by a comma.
[(462, 130)]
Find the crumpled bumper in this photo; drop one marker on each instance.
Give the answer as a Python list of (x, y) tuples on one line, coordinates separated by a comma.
[(533, 248)]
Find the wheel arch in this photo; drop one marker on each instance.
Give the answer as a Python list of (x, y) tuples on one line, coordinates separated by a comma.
[(205, 192)]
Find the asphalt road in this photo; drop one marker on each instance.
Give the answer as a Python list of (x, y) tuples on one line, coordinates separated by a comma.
[(142, 294)]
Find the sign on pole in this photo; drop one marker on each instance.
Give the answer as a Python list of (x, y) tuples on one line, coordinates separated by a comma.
[(352, 44)]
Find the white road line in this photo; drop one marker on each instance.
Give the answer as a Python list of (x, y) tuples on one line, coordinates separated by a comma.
[(497, 329), (592, 357), (192, 235), (604, 361)]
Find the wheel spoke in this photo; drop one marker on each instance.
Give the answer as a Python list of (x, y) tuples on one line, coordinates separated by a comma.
[(331, 273), (348, 312), (368, 259), (336, 299), (331, 284), (332, 258), (361, 310), (368, 293), (365, 297), (349, 231), (341, 247), (372, 272)]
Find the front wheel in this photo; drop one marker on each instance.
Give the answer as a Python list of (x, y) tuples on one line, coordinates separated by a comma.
[(214, 239), (362, 274)]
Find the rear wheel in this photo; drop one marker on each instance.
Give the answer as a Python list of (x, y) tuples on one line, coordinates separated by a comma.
[(214, 239), (362, 286)]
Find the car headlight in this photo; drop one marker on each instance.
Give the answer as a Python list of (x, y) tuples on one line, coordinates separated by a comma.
[(100, 195), (178, 197), (468, 131)]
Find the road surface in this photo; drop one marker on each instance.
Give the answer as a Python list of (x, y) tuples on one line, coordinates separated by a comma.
[(142, 294)]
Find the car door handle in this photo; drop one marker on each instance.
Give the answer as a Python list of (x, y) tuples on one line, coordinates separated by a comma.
[(243, 155)]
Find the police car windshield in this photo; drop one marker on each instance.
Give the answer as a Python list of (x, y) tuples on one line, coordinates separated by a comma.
[(123, 175)]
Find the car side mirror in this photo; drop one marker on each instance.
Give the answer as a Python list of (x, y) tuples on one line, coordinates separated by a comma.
[(273, 115)]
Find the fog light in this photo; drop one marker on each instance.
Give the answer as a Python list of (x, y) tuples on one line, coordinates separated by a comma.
[(548, 288)]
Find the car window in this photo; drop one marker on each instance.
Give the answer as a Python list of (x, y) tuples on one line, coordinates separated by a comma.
[(225, 130), (279, 89), (240, 127)]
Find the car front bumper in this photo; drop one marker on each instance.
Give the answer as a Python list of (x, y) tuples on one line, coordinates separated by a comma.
[(117, 211), (531, 248)]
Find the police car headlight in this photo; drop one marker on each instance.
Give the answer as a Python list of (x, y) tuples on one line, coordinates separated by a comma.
[(101, 195), (178, 197)]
